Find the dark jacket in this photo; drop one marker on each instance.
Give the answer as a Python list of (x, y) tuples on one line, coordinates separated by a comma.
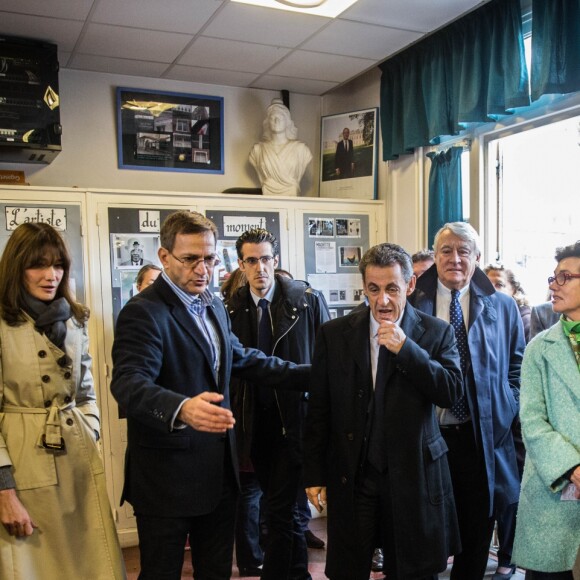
[(297, 313), (496, 346), (159, 360), (424, 373)]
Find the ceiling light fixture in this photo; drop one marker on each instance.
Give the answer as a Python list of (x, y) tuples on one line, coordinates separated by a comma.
[(328, 8)]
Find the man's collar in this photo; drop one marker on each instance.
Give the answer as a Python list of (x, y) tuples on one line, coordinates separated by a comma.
[(444, 291), (269, 296)]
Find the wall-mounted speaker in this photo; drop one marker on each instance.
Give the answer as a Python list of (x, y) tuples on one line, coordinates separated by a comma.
[(30, 130)]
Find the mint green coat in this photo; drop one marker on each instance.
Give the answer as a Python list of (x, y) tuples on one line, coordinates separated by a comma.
[(548, 529)]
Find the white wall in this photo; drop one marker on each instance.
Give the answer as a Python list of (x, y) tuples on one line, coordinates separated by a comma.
[(89, 141)]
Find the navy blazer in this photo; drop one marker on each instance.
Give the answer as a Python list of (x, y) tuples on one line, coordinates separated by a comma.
[(496, 346), (159, 360), (423, 374)]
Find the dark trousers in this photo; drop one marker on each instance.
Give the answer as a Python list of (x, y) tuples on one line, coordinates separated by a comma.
[(211, 537), (374, 524), (248, 551), (506, 518), (469, 478), (506, 531), (303, 509), (280, 475)]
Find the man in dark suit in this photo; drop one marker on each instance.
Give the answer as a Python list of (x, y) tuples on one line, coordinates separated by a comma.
[(173, 356), (490, 335), (373, 451), (542, 318), (344, 156), (273, 420)]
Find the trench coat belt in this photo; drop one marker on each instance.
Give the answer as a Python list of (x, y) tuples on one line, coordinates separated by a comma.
[(52, 436)]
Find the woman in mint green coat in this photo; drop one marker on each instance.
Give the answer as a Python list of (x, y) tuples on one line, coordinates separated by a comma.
[(548, 520)]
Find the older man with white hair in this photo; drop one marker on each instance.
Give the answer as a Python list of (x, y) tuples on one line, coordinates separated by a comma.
[(477, 430)]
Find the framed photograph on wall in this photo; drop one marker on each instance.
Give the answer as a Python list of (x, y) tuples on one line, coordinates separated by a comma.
[(160, 131), (348, 155)]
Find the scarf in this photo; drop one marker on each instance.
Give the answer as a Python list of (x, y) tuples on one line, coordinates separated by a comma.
[(572, 331), (49, 318)]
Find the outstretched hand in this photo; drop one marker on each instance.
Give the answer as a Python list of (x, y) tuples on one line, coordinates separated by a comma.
[(203, 413)]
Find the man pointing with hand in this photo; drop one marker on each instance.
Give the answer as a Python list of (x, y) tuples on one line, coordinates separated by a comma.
[(173, 356)]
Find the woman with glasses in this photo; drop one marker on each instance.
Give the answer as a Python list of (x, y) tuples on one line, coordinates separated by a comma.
[(548, 522), (56, 521)]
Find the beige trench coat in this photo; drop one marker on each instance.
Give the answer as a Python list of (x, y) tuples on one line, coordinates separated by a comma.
[(46, 398)]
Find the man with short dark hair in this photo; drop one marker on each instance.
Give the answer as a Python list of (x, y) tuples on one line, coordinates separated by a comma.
[(173, 356), (422, 261), (477, 430), (372, 445), (280, 316)]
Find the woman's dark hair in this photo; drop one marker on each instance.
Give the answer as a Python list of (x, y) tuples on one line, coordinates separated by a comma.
[(33, 245)]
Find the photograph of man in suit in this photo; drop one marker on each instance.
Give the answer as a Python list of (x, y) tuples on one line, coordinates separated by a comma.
[(173, 356), (373, 452), (344, 156), (477, 430)]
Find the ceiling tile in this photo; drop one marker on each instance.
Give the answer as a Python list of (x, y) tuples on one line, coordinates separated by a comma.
[(304, 86), (319, 66), (117, 65), (361, 40), (63, 33), (73, 10), (418, 15), (148, 45), (232, 55), (210, 76), (172, 16), (263, 25)]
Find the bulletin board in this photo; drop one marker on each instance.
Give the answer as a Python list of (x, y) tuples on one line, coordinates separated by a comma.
[(130, 229), (334, 245)]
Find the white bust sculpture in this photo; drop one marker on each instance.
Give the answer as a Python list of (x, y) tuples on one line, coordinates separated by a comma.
[(280, 159)]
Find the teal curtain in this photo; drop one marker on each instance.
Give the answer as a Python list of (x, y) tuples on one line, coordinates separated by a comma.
[(555, 47), (471, 71), (445, 192)]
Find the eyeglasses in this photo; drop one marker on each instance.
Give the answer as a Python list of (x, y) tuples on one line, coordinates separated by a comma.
[(265, 260), (192, 262), (562, 278)]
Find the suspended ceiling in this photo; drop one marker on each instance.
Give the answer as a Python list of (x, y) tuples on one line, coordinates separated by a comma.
[(226, 43)]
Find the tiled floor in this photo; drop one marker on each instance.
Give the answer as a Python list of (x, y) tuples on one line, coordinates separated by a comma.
[(316, 560)]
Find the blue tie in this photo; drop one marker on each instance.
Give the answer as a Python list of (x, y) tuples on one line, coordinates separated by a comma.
[(196, 307), (460, 408)]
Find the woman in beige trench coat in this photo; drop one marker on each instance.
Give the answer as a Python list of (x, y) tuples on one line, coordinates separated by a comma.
[(55, 514)]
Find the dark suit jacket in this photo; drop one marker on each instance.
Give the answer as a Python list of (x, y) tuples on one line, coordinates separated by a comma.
[(496, 346), (425, 373), (343, 160), (542, 318), (159, 360), (297, 312)]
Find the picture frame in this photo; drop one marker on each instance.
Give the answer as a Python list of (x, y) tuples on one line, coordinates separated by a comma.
[(164, 131), (348, 167)]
